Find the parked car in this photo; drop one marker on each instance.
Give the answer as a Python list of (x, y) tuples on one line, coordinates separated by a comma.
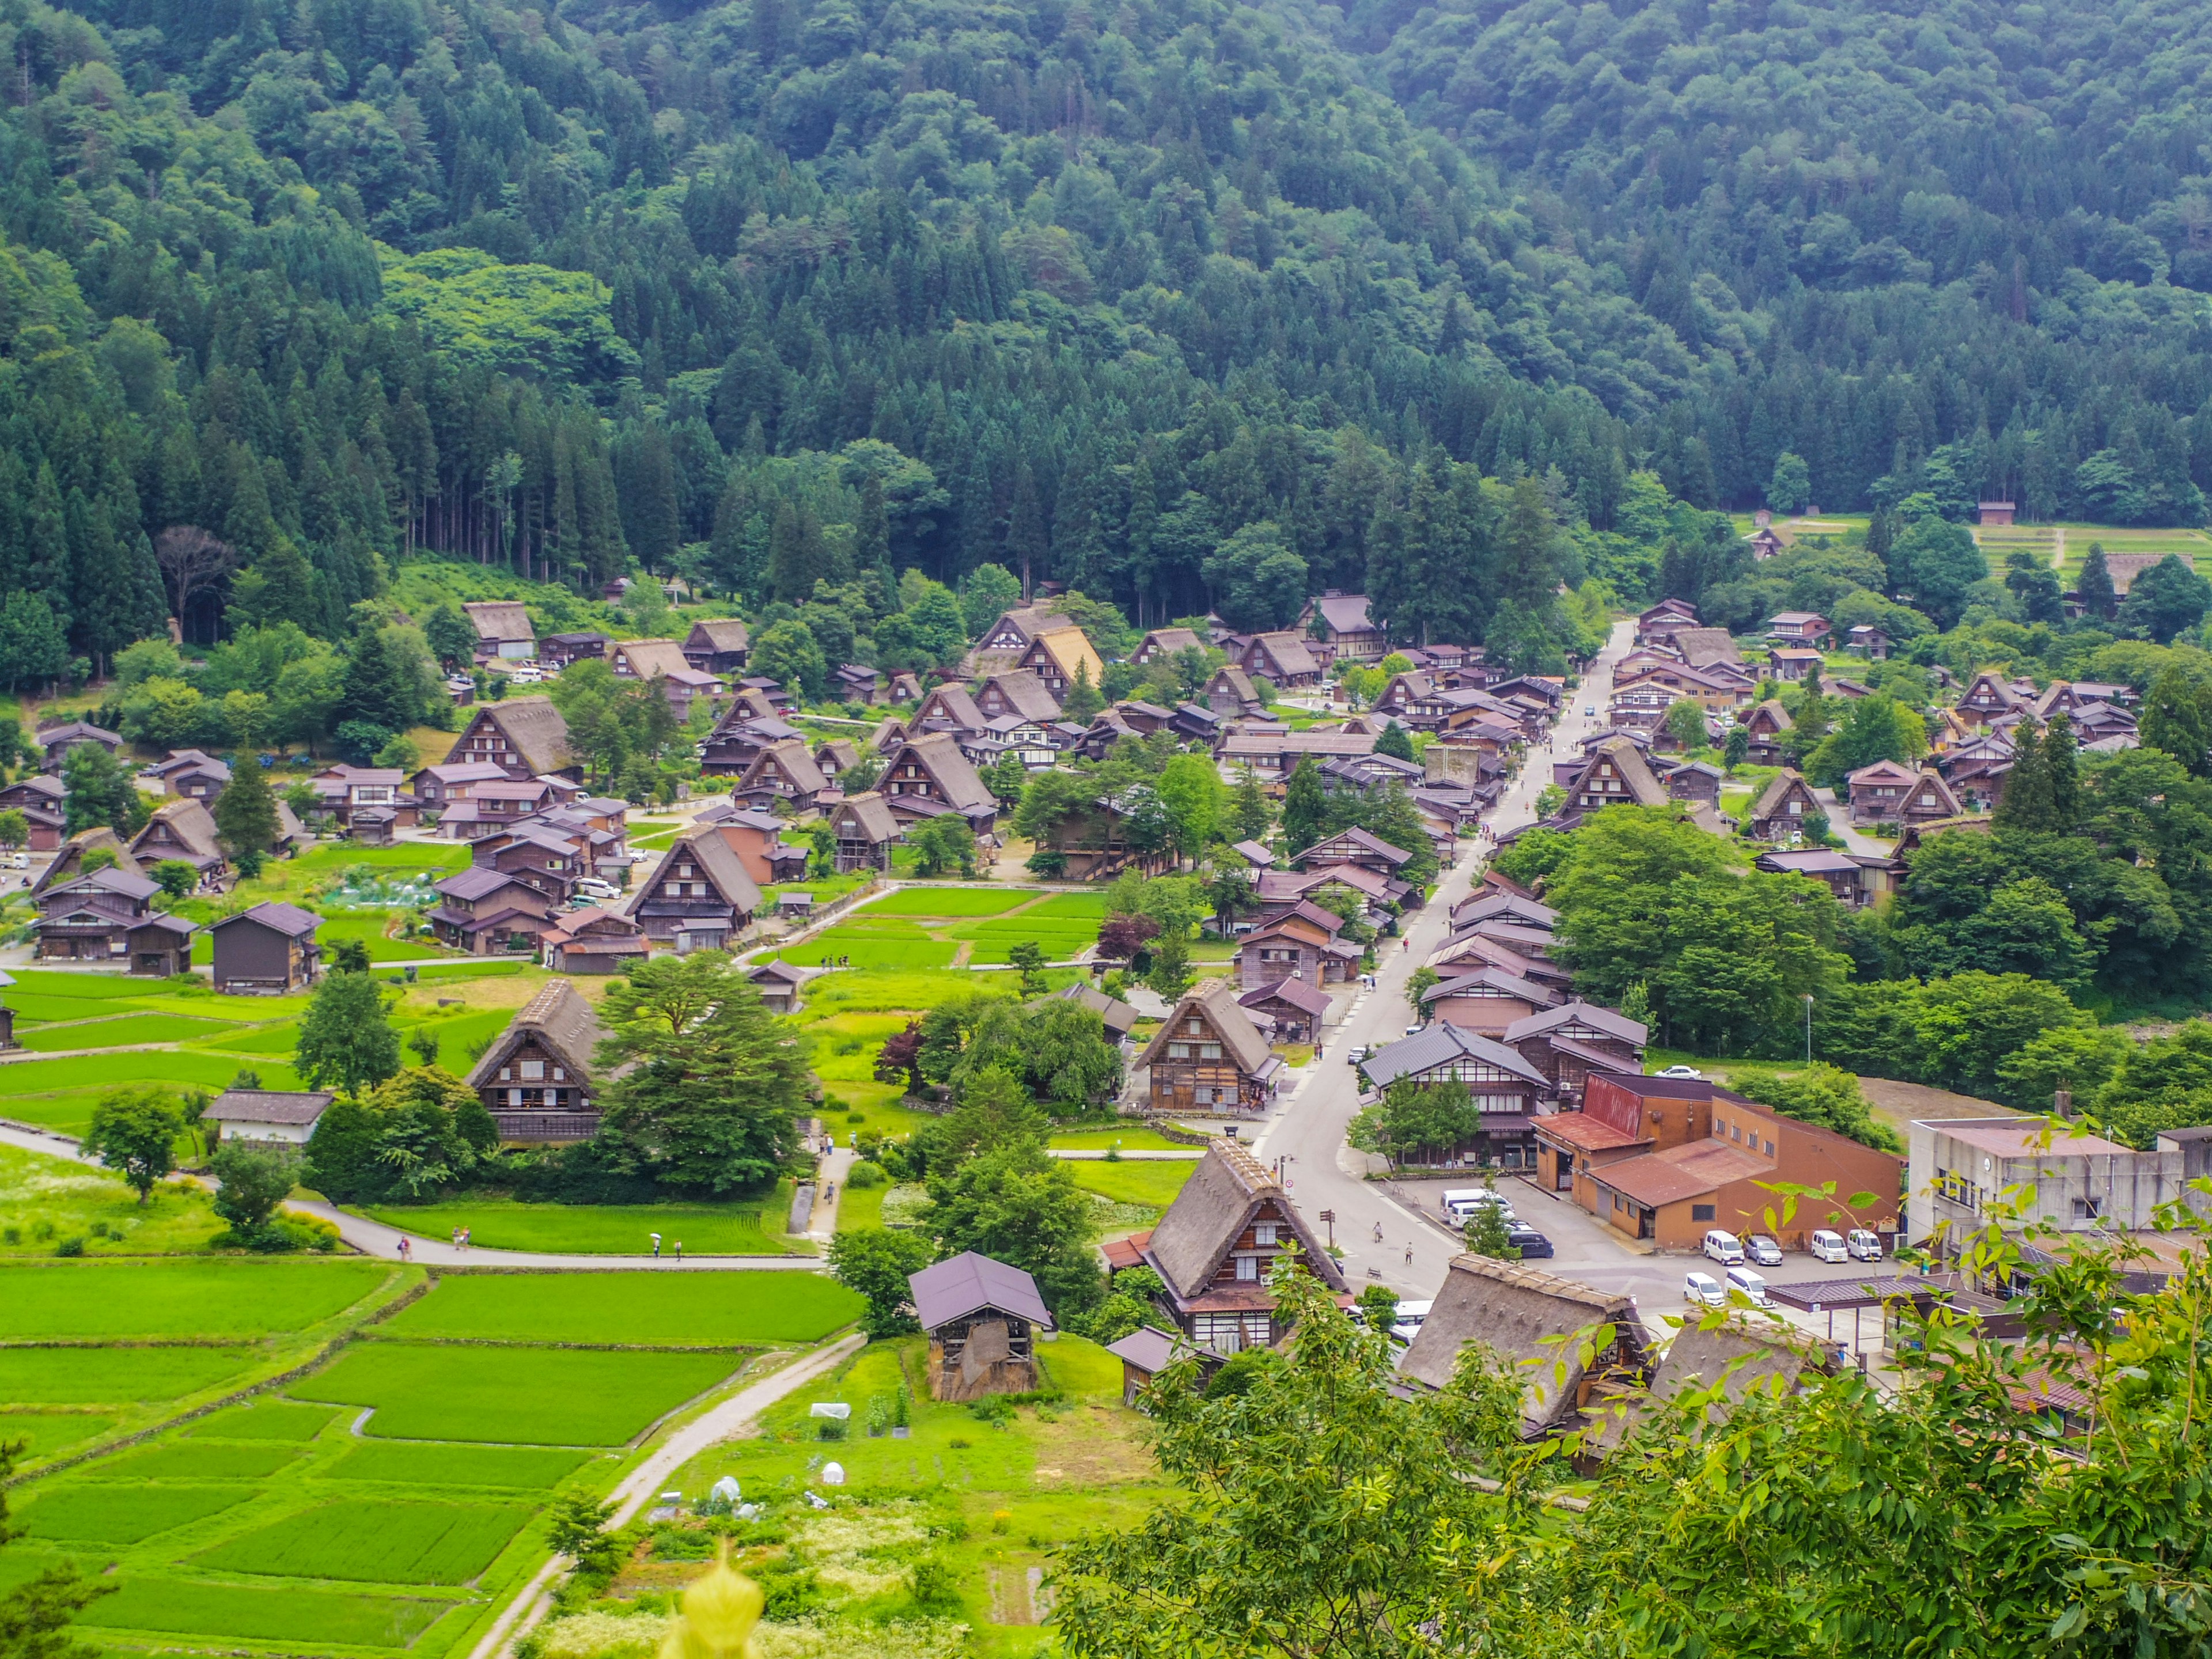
[(1763, 1251), (1703, 1288), (1724, 1246), (1681, 1070), (1456, 1199), (592, 888), (1354, 1055), (1407, 1323), (1827, 1247), (18, 860), (1532, 1244), (1863, 1245), (1415, 1029), (1743, 1282)]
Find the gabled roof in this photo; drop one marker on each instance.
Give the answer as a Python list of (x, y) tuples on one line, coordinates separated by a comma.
[(1438, 1044), (969, 1284), (288, 919), (1778, 790), (1117, 1016), (1529, 1319), (1731, 1353), (1212, 1211), (1772, 711), (1255, 854), (75, 731), (1238, 683), (294, 1108), (1492, 979), (1510, 907), (1630, 766), (1345, 613), (1680, 1172), (719, 633), (1288, 652), (1302, 995), (1702, 647), (188, 760), (1619, 1026), (537, 730), (1883, 771), (127, 884), (451, 772), (477, 881), (1071, 650), (1167, 642), (189, 821), (1366, 841), (955, 703), (872, 815), (564, 1024), (939, 753), (1026, 693), (499, 619), (1029, 620), (707, 850), (796, 762), (647, 658), (1216, 1000)]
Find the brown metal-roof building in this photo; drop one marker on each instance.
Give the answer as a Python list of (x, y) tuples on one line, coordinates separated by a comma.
[(983, 1317), (267, 950)]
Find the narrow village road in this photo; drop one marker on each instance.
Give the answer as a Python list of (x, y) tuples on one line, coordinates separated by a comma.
[(1308, 1132)]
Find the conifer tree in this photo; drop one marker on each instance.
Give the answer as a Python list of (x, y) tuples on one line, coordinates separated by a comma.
[(246, 811)]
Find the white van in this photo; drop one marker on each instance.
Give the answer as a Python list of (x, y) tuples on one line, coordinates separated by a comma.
[(1863, 1245), (1703, 1290), (1828, 1246), (1407, 1324), (1750, 1285), (1461, 1206), (1724, 1246)]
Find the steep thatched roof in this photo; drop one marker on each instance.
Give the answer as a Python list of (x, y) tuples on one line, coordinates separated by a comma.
[(1738, 1354), (565, 1025), (1211, 1213)]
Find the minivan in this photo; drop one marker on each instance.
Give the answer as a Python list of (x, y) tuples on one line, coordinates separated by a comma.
[(1704, 1289), (1863, 1245), (1407, 1323), (1724, 1248), (1828, 1246), (1750, 1285), (1461, 1203), (1763, 1251)]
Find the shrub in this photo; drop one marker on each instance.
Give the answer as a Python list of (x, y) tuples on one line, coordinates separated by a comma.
[(866, 1175), (70, 1246)]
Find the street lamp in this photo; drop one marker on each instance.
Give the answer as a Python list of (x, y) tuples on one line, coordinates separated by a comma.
[(1809, 1028)]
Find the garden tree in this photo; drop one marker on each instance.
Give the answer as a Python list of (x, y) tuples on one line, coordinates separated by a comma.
[(246, 812), (1006, 777), (1395, 741), (2093, 586), (1048, 800), (1413, 1119), (1057, 1048), (1737, 749), (1826, 1096), (1686, 724), (341, 1161), (1231, 893), (38, 1608), (1298, 1497), (2034, 584), (1083, 702), (1725, 954), (715, 1083), (577, 1526), (175, 877), (874, 1263), (2166, 599), (1123, 937), (1028, 955), (1170, 976), (1011, 1202), (15, 828), (987, 592), (346, 1041), (433, 1131), (1487, 1234), (1305, 806), (2177, 717), (1874, 728), (253, 1179), (1377, 1307), (620, 729), (1790, 486), (350, 956), (786, 653), (1937, 563), (941, 844), (451, 638), (994, 1109), (1248, 812), (99, 791), (1196, 800), (133, 1132)]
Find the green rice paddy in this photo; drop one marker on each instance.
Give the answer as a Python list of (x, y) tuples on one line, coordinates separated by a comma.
[(948, 901), (304, 1617), (381, 1542), (124, 1514), (600, 1229), (119, 1031), (517, 1468), (70, 1377), (44, 1432), (192, 1460), (644, 1308), (265, 1419), (180, 1298)]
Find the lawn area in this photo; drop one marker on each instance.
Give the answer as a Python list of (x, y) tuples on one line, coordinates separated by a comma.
[(1155, 1184), (513, 1395), (601, 1228), (719, 1310), (890, 943), (1134, 1139), (45, 1199), (178, 1298), (860, 1207)]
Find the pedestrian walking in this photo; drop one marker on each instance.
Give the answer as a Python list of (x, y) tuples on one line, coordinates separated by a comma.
[(468, 1236), (456, 1238), (679, 1250), (403, 1247), (1409, 1256), (656, 1247)]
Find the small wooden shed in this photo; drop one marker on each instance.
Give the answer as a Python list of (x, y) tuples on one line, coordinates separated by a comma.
[(983, 1318)]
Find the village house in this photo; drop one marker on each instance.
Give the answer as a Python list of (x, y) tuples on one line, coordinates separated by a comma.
[(557, 651), (1207, 1057), (833, 757), (1274, 755), (1536, 1325), (1698, 782), (69, 859), (1841, 874), (536, 1080), (1664, 620), (952, 707), (1987, 697), (1867, 641), (184, 831), (698, 896), (1165, 645), (268, 950), (440, 785), (928, 776), (983, 1319), (1019, 692), (41, 798), (738, 738), (645, 659), (1886, 793), (503, 629), (192, 773), (757, 840), (592, 940), (1092, 843), (1298, 1007), (357, 796), (1230, 693), (1486, 1001), (524, 737), (778, 983), (1792, 663), (685, 687), (488, 912), (1783, 807), (2045, 1170), (1341, 622), (1504, 1085), (1057, 658), (1799, 627), (55, 741), (1116, 1017), (274, 1117), (1357, 847), (1294, 946), (1712, 650), (782, 772), (551, 861), (866, 831), (1215, 1247), (98, 915), (718, 645), (1568, 1043), (857, 682), (1765, 727), (1006, 639), (1282, 658), (1994, 514)]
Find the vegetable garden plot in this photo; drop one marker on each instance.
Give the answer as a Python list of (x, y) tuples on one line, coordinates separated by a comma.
[(375, 1541), (180, 1299), (644, 1308), (123, 1515), (68, 1376), (514, 1468), (515, 1396)]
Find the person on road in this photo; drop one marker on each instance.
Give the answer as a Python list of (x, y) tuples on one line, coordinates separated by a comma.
[(403, 1246), (656, 1246), (1378, 1232), (679, 1250), (1409, 1256)]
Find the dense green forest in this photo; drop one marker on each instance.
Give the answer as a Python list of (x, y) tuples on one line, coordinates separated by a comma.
[(1179, 304)]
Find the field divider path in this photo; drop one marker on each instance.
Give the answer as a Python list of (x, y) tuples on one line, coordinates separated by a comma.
[(717, 1424)]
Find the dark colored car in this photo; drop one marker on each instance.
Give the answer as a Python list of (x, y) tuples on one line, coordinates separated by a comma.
[(1531, 1244)]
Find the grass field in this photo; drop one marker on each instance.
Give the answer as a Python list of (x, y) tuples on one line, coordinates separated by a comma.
[(178, 1298), (1155, 1184), (43, 1200), (642, 1307), (600, 1230), (124, 1514), (381, 1542), (68, 1376), (519, 1396)]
